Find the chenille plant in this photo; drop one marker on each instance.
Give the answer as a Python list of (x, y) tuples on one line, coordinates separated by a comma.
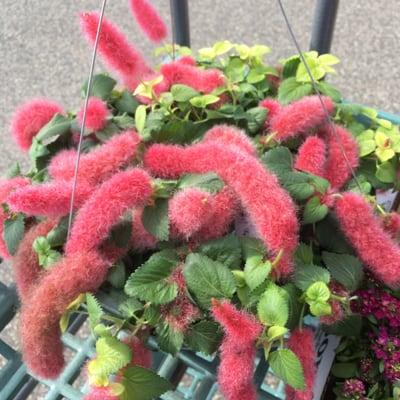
[(219, 200)]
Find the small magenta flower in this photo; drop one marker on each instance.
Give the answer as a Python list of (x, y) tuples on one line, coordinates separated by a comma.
[(354, 389), (149, 20), (29, 118)]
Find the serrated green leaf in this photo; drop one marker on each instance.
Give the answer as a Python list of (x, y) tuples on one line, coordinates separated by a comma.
[(314, 211), (278, 160), (13, 232), (150, 281), (208, 279), (344, 370), (307, 274), (291, 90), (345, 268), (273, 307), (129, 307), (297, 184), (183, 92), (204, 336), (329, 90), (204, 100), (169, 339), (209, 182), (117, 275), (155, 219), (304, 254), (255, 119), (320, 308), (127, 103), (57, 236), (318, 291), (140, 118), (276, 332), (94, 309), (225, 250), (102, 86), (256, 272), (295, 306), (287, 367), (124, 121), (386, 171), (143, 384), (57, 126)]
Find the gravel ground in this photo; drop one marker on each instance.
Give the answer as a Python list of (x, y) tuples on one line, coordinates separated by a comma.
[(43, 53)]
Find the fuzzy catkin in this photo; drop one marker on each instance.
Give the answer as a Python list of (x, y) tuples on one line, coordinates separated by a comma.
[(96, 114), (149, 20), (99, 164), (27, 270), (100, 393), (300, 117), (270, 208), (301, 342), (373, 244), (29, 118), (124, 191), (120, 55), (235, 372), (311, 156)]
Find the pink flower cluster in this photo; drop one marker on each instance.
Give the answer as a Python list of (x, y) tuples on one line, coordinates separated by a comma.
[(354, 389)]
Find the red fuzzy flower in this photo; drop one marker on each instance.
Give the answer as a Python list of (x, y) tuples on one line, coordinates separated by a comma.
[(300, 117), (121, 56), (100, 393), (25, 264), (29, 118), (124, 191), (149, 20), (339, 141), (6, 188), (269, 207), (311, 156), (301, 342), (392, 224), (273, 107), (96, 114), (364, 231), (141, 355), (235, 373), (98, 165), (141, 239)]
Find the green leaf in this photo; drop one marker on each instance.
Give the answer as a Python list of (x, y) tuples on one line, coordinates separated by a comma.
[(124, 121), (307, 274), (295, 306), (41, 245), (329, 90), (320, 308), (13, 232), (150, 281), (94, 309), (169, 339), (140, 118), (225, 250), (155, 219), (318, 291), (344, 370), (314, 211), (127, 103), (121, 233), (291, 90), (117, 275), (129, 307), (290, 67), (143, 384), (345, 269), (278, 160), (14, 170), (304, 254), (273, 307), (386, 171), (111, 356), (102, 86), (208, 279), (204, 100), (209, 182), (57, 126), (204, 336), (256, 272), (235, 70), (183, 92), (297, 184), (276, 332), (287, 367), (255, 119), (57, 236), (349, 327)]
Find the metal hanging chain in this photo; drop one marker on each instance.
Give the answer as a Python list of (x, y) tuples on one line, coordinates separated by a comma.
[(88, 91), (315, 87)]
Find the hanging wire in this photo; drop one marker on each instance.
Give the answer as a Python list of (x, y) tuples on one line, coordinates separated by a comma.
[(88, 91), (315, 87)]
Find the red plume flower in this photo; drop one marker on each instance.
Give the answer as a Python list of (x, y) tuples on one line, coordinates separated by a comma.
[(149, 20), (311, 156), (364, 231), (392, 224), (141, 354), (141, 239), (273, 107), (235, 373), (337, 169), (269, 207), (6, 188), (301, 342), (100, 393), (99, 164), (29, 118), (26, 266), (120, 56), (96, 114), (300, 117)]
